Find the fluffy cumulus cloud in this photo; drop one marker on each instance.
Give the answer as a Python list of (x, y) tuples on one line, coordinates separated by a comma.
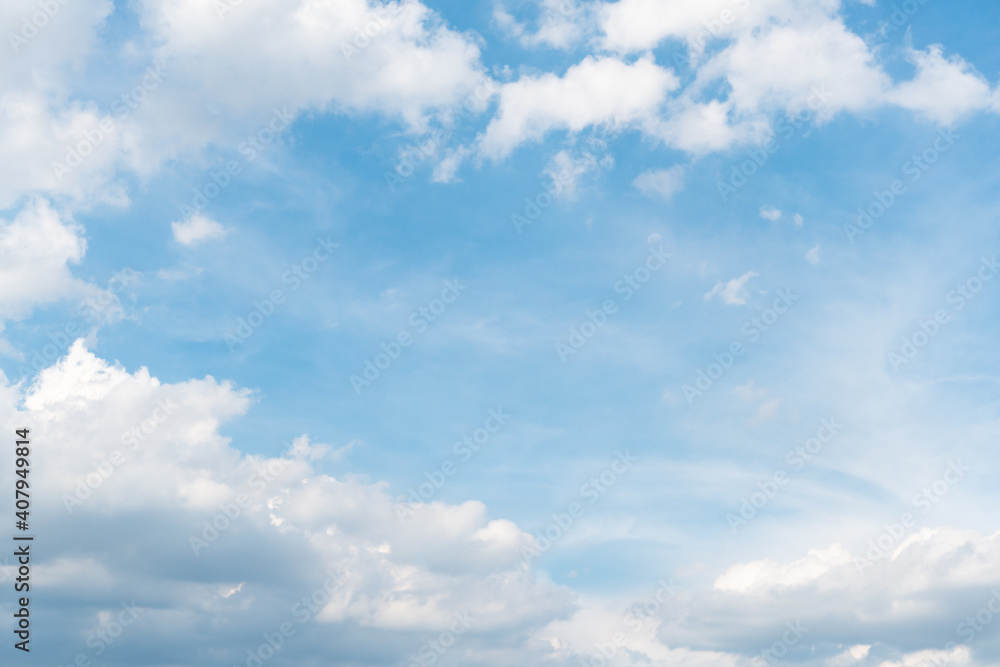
[(222, 539), (776, 54), (936, 579), (398, 58), (197, 229), (597, 91), (70, 151), (705, 127), (599, 635), (820, 65), (638, 25), (944, 89), (46, 48), (37, 249)]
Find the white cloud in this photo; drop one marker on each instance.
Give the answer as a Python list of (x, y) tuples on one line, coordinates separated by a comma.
[(596, 91), (35, 136), (767, 574), (197, 229), (37, 248), (662, 183), (933, 579), (929, 559), (850, 658), (777, 53), (797, 219), (638, 25), (398, 59), (43, 115), (705, 127), (734, 292), (770, 213), (944, 89), (780, 55), (574, 641), (819, 65), (860, 650), (53, 53)]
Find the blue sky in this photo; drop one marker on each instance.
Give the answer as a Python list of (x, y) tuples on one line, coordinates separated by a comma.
[(624, 124)]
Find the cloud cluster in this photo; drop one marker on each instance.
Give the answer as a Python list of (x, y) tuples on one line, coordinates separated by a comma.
[(129, 455), (777, 55), (226, 66), (220, 537)]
